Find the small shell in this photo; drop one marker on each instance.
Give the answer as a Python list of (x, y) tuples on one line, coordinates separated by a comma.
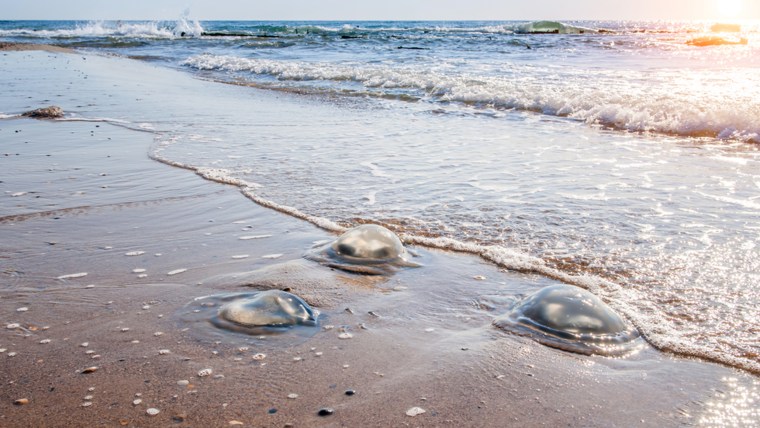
[(92, 369), (205, 372), (152, 411), (414, 411), (259, 356), (44, 341), (164, 352), (137, 401)]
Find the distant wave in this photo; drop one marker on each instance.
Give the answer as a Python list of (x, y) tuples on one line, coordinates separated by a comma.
[(126, 29), (663, 103)]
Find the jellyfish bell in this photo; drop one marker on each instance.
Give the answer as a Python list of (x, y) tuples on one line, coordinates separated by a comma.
[(369, 249), (369, 242), (571, 319), (272, 308)]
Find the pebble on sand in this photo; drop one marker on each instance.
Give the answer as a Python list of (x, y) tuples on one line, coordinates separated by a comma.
[(92, 369), (22, 309), (205, 372), (414, 411), (134, 253), (152, 411), (259, 356), (50, 112), (21, 401), (325, 411)]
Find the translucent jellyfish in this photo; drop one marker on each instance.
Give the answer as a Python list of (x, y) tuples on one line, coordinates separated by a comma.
[(272, 308), (571, 319), (368, 248)]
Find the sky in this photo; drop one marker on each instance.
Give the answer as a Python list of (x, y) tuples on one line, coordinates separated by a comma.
[(711, 10)]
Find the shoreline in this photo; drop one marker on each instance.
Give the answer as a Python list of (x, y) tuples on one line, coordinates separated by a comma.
[(100, 198)]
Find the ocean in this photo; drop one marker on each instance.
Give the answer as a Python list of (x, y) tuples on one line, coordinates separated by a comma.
[(621, 157)]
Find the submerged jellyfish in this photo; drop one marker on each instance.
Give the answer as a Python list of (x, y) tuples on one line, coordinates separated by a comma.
[(368, 248), (272, 308), (572, 319)]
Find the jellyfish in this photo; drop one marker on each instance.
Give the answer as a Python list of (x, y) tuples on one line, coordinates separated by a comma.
[(571, 319), (369, 249), (272, 308)]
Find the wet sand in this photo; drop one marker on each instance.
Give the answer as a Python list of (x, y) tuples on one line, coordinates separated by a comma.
[(83, 197)]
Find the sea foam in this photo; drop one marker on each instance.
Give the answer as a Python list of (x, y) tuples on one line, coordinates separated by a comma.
[(665, 102)]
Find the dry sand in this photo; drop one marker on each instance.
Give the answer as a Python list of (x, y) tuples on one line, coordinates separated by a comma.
[(83, 197)]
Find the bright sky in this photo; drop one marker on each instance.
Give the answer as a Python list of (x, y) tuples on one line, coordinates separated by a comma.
[(711, 10)]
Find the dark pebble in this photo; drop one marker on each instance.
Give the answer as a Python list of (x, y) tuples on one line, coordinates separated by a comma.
[(325, 411), (350, 392), (272, 411)]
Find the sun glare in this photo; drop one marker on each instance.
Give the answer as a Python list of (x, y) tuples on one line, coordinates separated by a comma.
[(729, 8)]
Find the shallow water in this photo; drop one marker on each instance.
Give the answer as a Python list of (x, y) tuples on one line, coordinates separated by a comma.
[(625, 163)]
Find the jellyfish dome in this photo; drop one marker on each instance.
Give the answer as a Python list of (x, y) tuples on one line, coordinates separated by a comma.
[(368, 248), (571, 319), (272, 308)]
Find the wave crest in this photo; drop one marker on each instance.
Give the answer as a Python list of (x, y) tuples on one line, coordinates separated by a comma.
[(665, 102)]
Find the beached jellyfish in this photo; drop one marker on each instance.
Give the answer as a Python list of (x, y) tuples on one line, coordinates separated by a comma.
[(272, 308), (572, 319), (368, 248)]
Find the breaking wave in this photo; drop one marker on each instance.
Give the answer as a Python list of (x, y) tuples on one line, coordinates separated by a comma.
[(664, 102)]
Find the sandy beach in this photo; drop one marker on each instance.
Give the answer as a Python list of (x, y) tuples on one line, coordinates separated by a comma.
[(106, 255)]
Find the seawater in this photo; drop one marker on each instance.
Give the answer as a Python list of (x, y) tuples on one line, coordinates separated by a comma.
[(612, 155)]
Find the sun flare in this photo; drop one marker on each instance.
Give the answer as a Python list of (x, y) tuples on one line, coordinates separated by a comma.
[(729, 8)]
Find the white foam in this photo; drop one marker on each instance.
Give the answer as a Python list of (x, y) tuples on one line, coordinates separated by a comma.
[(665, 102), (132, 29)]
